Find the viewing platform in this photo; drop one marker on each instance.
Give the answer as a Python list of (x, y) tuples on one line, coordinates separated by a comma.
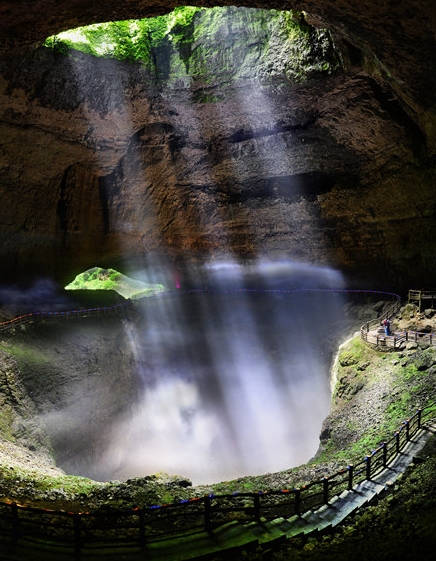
[(373, 332)]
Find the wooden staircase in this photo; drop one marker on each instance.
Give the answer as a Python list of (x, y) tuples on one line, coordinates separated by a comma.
[(234, 536)]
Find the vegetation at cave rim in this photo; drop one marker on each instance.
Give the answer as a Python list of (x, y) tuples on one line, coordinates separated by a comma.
[(143, 41), (125, 40)]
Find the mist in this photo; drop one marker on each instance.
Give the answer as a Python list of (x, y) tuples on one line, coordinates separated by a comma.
[(42, 294), (225, 374), (234, 373)]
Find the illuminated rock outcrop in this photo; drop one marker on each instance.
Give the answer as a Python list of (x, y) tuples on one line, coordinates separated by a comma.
[(109, 279)]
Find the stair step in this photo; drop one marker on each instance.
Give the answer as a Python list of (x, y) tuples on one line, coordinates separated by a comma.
[(312, 517), (294, 526), (370, 488), (312, 522), (228, 537), (330, 514), (269, 531)]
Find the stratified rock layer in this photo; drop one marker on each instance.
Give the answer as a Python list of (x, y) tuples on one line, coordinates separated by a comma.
[(103, 162)]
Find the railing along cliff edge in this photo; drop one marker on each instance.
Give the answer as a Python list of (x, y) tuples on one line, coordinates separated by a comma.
[(55, 315), (137, 526), (371, 332)]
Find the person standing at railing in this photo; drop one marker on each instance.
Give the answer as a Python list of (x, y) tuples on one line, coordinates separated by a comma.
[(387, 326)]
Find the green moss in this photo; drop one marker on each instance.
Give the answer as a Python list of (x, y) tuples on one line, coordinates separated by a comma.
[(409, 371), (131, 40), (95, 279), (109, 279), (212, 46), (43, 483), (6, 420), (25, 354), (355, 352), (399, 410), (361, 368)]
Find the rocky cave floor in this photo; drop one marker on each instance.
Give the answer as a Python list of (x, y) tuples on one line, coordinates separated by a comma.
[(399, 525)]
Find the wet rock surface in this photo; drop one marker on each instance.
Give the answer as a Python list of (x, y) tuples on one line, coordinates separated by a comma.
[(102, 159)]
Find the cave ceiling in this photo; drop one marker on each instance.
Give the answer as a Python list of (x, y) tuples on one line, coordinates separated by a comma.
[(396, 36), (374, 125)]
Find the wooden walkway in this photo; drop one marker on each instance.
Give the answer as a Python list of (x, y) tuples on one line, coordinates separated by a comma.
[(397, 340), (422, 297), (372, 332), (236, 536)]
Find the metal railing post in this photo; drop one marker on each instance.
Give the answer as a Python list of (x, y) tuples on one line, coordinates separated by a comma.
[(257, 507), (368, 467), (385, 454), (297, 501), (142, 529), (77, 536), (325, 490), (350, 476), (15, 522), (207, 514)]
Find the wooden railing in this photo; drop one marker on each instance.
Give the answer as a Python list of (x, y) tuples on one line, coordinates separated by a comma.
[(396, 340), (39, 316), (136, 527), (419, 296), (372, 333), (377, 322)]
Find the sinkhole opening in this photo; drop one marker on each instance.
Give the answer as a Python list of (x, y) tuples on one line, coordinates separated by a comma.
[(225, 374), (209, 46)]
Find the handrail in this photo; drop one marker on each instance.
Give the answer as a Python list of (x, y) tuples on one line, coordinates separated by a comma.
[(396, 340), (366, 327), (103, 310), (138, 526)]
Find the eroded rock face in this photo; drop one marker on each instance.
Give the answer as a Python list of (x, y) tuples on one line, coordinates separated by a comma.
[(75, 409), (102, 162)]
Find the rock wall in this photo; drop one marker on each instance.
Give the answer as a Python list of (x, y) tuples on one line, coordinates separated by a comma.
[(90, 385), (241, 145)]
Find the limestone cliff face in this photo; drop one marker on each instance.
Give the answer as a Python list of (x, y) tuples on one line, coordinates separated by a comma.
[(74, 411), (239, 143)]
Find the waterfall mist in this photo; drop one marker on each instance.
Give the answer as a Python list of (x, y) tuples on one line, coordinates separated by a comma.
[(232, 381)]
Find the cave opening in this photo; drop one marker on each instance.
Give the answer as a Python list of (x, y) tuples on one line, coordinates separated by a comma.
[(201, 58)]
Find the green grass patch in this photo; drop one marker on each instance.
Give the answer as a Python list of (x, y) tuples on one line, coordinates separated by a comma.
[(25, 354), (355, 352)]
